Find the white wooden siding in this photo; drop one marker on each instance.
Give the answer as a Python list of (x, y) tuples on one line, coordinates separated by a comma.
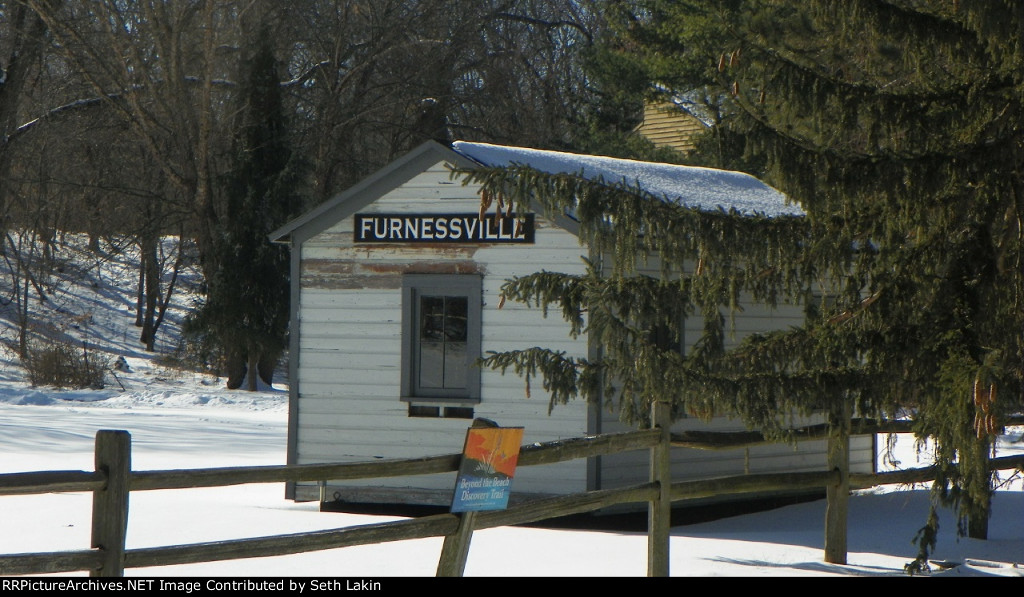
[(688, 463), (349, 361), (350, 346)]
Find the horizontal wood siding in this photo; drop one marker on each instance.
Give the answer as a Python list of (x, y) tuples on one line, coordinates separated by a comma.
[(350, 328), (349, 360), (666, 125), (625, 469), (689, 463)]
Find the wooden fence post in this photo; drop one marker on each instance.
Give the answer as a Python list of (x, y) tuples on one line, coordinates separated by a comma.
[(455, 550), (110, 504), (837, 497), (659, 511)]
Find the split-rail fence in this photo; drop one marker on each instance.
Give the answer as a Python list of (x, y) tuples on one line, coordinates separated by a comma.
[(112, 481)]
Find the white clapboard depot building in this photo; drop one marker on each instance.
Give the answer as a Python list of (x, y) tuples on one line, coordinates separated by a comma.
[(395, 291)]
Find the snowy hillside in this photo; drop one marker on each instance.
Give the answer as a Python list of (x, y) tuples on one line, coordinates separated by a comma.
[(90, 305)]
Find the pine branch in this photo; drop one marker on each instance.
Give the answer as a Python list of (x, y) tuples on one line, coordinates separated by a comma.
[(564, 378)]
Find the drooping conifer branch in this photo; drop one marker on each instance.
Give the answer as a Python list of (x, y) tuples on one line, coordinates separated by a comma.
[(898, 125), (702, 261)]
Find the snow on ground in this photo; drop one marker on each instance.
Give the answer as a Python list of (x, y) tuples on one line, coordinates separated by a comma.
[(189, 420), (214, 432)]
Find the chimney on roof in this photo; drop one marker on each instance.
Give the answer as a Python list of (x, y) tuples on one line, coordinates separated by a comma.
[(431, 122)]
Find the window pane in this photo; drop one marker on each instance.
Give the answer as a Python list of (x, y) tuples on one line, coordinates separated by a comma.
[(455, 365), (432, 318), (455, 309), (442, 359), (431, 365)]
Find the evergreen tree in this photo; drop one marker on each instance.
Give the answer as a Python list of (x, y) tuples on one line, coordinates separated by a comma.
[(898, 125), (246, 307)]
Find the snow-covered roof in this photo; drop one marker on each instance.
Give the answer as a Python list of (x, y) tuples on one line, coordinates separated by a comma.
[(702, 188)]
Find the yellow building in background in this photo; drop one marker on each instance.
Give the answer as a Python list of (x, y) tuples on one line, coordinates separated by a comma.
[(666, 125)]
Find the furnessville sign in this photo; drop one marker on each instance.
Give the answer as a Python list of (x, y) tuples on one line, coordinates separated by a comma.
[(443, 228)]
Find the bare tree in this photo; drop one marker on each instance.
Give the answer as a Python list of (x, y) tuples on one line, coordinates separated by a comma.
[(149, 88), (369, 80)]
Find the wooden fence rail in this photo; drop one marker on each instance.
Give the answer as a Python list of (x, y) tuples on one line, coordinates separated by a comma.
[(113, 480)]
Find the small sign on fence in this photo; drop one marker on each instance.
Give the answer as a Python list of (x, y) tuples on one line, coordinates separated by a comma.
[(488, 464)]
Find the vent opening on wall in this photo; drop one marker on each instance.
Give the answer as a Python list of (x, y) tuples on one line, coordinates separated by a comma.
[(441, 412)]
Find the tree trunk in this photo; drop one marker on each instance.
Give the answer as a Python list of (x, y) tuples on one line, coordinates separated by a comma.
[(140, 292), (22, 308), (977, 526), (248, 367), (166, 299), (977, 519), (236, 367), (151, 269), (27, 36), (253, 371), (266, 365)]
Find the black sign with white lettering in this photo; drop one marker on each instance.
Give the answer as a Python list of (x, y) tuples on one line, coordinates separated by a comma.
[(443, 228)]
